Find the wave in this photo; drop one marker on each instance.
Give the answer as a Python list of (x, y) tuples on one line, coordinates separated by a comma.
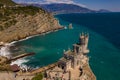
[(20, 62), (65, 27), (5, 50)]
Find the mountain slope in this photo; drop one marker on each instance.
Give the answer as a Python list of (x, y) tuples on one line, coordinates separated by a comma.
[(59, 8), (64, 8), (18, 22), (103, 10), (7, 2)]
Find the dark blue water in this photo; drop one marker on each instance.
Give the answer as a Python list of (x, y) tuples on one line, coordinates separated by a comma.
[(104, 43), (106, 24)]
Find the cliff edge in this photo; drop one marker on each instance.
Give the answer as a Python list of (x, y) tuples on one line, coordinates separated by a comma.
[(18, 22)]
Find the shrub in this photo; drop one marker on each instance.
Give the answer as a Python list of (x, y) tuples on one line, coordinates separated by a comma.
[(38, 77)]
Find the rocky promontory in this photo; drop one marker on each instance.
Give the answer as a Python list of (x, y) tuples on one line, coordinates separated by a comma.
[(18, 22)]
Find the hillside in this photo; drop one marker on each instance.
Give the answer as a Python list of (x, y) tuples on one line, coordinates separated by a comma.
[(18, 22), (61, 8), (103, 10), (64, 8), (7, 2)]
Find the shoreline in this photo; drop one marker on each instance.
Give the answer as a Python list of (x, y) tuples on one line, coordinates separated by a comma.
[(31, 36), (2, 43), (82, 13), (87, 71), (86, 68), (73, 65), (8, 44), (37, 34)]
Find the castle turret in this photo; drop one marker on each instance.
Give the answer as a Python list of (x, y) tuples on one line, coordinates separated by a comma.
[(84, 42), (81, 47), (82, 39)]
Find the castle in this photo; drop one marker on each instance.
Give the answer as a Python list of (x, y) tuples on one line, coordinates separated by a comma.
[(75, 58), (74, 65)]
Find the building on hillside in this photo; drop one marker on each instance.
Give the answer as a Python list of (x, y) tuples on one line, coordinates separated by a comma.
[(74, 58)]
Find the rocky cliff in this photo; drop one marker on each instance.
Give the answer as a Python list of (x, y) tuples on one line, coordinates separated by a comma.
[(18, 22)]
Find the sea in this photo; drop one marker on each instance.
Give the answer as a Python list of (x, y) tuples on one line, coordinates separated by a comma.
[(104, 43)]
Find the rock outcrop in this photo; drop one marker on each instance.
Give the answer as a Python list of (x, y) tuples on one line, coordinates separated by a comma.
[(21, 22)]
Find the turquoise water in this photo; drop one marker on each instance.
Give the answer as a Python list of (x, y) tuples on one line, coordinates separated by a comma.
[(104, 52)]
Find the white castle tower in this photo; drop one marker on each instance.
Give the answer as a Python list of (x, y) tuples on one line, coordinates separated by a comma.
[(74, 58), (84, 42)]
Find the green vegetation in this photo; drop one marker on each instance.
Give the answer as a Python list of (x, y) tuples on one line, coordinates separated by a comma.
[(38, 77), (8, 15), (1, 4), (5, 67), (18, 22), (7, 2), (28, 10), (4, 64)]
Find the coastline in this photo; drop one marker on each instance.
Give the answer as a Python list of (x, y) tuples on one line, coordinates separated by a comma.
[(6, 45), (87, 68), (93, 56), (72, 71), (37, 34), (84, 13), (11, 74)]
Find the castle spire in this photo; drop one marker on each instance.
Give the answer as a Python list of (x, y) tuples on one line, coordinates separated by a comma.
[(87, 34), (82, 33), (69, 49), (64, 50)]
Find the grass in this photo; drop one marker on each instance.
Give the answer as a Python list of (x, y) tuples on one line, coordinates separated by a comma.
[(38, 77)]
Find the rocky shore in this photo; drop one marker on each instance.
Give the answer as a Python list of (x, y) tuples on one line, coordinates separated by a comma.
[(28, 26), (17, 23)]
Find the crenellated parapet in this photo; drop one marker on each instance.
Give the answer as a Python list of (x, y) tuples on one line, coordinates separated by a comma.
[(75, 57), (82, 46), (74, 65)]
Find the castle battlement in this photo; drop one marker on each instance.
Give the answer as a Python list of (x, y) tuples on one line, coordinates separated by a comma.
[(74, 65), (74, 58)]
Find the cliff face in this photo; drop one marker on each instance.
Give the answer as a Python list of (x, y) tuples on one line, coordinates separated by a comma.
[(20, 22)]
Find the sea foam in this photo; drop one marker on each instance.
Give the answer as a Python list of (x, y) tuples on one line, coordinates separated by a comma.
[(20, 62), (5, 50)]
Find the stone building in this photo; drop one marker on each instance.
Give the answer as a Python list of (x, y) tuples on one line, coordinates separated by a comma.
[(74, 58)]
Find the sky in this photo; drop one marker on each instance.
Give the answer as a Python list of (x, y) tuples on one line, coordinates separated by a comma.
[(112, 5)]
